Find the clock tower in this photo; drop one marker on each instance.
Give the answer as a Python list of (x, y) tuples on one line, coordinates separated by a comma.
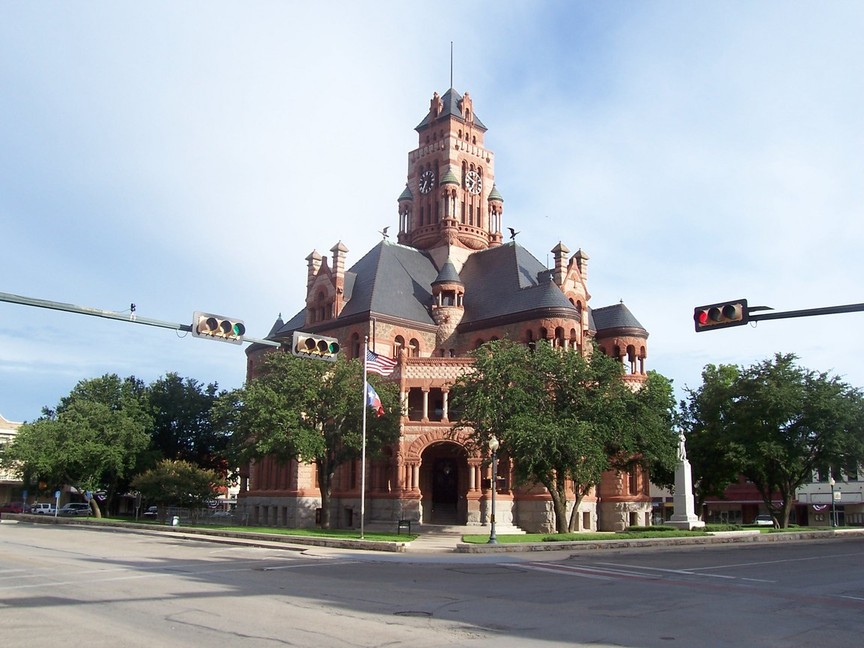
[(450, 198)]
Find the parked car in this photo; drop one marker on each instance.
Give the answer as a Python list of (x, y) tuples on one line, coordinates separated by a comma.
[(74, 508), (12, 507), (43, 508), (763, 520), (152, 512)]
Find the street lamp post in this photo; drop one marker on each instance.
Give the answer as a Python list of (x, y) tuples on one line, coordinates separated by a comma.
[(833, 506), (493, 446)]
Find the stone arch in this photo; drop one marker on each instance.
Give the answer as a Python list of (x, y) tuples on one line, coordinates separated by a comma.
[(444, 479), (415, 450)]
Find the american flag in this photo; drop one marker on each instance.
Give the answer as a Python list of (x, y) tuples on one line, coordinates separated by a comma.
[(379, 364)]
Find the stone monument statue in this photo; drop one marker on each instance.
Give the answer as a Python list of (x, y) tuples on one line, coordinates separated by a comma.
[(684, 516)]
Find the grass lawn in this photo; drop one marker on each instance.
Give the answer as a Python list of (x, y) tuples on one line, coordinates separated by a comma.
[(349, 534)]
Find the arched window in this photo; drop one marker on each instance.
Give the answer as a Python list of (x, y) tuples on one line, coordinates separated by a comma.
[(398, 345), (413, 348), (631, 358), (355, 345), (560, 342)]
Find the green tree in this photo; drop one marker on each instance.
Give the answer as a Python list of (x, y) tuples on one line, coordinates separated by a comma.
[(90, 441), (563, 418), (182, 426), (178, 483), (705, 419), (311, 411), (778, 423)]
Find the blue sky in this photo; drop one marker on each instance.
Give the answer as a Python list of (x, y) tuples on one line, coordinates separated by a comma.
[(189, 155)]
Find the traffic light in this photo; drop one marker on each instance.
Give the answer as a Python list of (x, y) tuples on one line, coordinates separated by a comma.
[(218, 327), (306, 345), (714, 316)]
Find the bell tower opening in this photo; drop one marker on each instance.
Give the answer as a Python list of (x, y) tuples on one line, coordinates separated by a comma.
[(444, 484)]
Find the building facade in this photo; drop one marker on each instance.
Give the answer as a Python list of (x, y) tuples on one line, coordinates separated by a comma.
[(11, 486), (453, 279)]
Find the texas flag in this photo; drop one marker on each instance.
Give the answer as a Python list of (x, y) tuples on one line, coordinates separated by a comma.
[(373, 400)]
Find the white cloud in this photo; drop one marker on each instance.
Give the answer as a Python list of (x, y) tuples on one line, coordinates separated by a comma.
[(185, 156)]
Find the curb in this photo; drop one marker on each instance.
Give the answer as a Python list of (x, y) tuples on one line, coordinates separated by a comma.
[(290, 542), (726, 537), (218, 535)]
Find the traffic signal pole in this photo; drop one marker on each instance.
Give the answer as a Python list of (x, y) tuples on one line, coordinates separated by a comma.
[(130, 317), (737, 312), (829, 310)]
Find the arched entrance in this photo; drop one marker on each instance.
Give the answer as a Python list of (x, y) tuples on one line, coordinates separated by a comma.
[(444, 483)]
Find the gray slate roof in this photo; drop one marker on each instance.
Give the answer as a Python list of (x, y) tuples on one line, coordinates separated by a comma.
[(615, 316), (451, 101), (448, 274), (505, 281), (395, 280)]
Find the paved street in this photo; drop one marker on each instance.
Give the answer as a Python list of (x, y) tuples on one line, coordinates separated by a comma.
[(70, 586)]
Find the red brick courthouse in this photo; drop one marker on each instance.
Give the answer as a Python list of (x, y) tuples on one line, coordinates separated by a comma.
[(453, 279)]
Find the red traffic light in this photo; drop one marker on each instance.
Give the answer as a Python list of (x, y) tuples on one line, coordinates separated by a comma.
[(722, 315)]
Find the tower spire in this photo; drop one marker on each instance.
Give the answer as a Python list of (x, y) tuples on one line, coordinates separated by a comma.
[(451, 64)]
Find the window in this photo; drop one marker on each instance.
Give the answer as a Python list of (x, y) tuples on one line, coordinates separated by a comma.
[(413, 348), (560, 342), (436, 404), (415, 404), (398, 345)]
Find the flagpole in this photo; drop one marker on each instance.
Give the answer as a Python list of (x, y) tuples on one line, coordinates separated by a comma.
[(363, 449)]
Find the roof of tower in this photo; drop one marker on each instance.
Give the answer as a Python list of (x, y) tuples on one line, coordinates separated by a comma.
[(617, 316), (449, 177), (450, 108), (494, 194), (406, 194), (448, 274)]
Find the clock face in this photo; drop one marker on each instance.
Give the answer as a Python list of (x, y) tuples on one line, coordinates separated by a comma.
[(427, 181), (473, 183)]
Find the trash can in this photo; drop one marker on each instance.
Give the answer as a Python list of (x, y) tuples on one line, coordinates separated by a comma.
[(175, 520)]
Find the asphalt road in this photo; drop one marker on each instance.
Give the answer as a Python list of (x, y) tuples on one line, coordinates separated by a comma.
[(71, 586)]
